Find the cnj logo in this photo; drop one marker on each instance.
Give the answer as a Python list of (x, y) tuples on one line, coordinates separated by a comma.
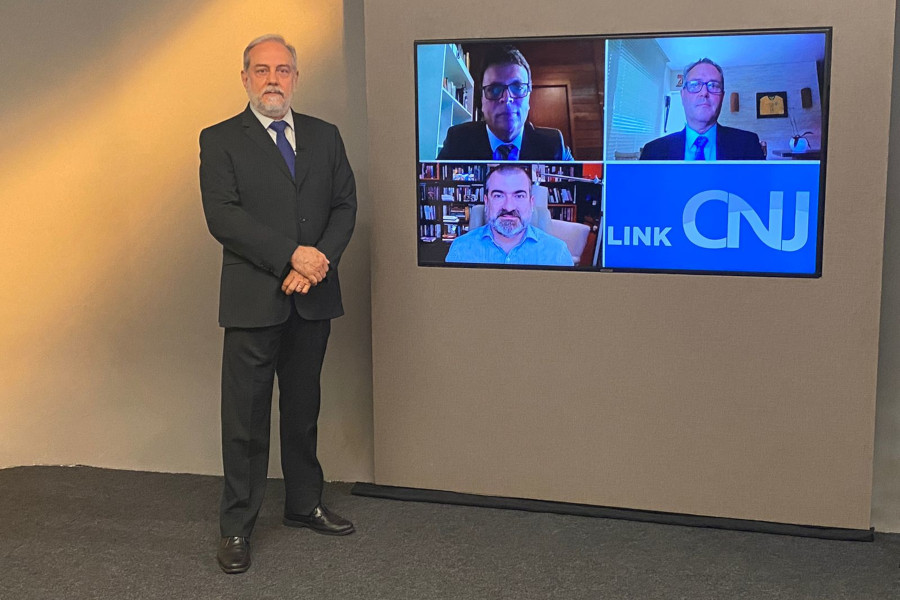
[(738, 208)]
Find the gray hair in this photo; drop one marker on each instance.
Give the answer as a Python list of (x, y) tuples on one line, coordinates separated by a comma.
[(269, 37), (704, 61)]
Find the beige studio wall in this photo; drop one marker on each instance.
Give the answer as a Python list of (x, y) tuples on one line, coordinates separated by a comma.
[(109, 347), (742, 397), (108, 336)]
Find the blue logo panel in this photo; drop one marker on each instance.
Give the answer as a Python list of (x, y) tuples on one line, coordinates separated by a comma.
[(689, 216)]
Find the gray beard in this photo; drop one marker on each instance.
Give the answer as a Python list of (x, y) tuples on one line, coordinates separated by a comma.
[(269, 110), (505, 229)]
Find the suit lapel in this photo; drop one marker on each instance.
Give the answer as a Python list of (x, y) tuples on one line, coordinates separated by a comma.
[(304, 144), (255, 131), (678, 142), (484, 145), (528, 150), (722, 143)]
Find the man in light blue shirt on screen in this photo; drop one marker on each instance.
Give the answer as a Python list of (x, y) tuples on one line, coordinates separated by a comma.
[(508, 236)]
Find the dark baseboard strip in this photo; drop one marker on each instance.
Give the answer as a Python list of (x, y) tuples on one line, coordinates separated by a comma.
[(607, 512)]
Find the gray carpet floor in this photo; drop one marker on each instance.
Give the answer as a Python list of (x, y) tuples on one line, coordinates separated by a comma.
[(81, 532)]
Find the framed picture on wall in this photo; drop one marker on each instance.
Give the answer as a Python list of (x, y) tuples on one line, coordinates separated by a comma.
[(771, 105)]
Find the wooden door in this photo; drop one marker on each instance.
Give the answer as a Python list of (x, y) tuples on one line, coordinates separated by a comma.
[(550, 108)]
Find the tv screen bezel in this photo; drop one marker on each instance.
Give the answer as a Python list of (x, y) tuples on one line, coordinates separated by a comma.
[(825, 94)]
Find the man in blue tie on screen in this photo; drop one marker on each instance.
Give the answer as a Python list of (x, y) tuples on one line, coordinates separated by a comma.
[(508, 237), (704, 138), (506, 133)]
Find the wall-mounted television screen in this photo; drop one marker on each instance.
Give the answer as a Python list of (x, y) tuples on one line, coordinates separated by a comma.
[(695, 153)]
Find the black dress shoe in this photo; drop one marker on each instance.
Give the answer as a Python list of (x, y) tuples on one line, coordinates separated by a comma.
[(234, 554), (321, 520)]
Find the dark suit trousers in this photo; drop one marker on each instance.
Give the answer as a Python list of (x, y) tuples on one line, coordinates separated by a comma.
[(294, 350)]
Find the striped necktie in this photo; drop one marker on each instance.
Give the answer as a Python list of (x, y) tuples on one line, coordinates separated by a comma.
[(504, 151)]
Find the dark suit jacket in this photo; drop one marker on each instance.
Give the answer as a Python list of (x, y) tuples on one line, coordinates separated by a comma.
[(260, 214), (469, 141), (731, 144)]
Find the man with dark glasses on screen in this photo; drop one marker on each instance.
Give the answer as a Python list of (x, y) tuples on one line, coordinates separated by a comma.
[(506, 133), (704, 138)]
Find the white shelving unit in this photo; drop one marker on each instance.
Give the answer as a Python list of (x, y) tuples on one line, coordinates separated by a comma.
[(446, 91)]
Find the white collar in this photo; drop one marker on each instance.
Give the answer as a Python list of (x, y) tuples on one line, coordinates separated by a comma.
[(497, 142), (266, 121)]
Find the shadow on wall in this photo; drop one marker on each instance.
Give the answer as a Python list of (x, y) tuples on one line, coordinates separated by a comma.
[(108, 308)]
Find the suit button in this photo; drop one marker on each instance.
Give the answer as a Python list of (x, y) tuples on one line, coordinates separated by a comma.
[(302, 220)]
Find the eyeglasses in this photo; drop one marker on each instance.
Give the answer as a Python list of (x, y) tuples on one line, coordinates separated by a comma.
[(694, 85), (516, 89)]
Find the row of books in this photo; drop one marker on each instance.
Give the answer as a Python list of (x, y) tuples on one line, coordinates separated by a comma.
[(563, 213), (428, 212), (451, 232), (470, 173), (474, 194), (453, 172), (459, 93), (560, 196), (460, 54), (541, 172), (428, 171), (431, 232), (452, 213), (478, 172), (469, 194)]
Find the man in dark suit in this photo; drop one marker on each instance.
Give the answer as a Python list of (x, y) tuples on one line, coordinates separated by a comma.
[(506, 133), (703, 138), (279, 195)]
